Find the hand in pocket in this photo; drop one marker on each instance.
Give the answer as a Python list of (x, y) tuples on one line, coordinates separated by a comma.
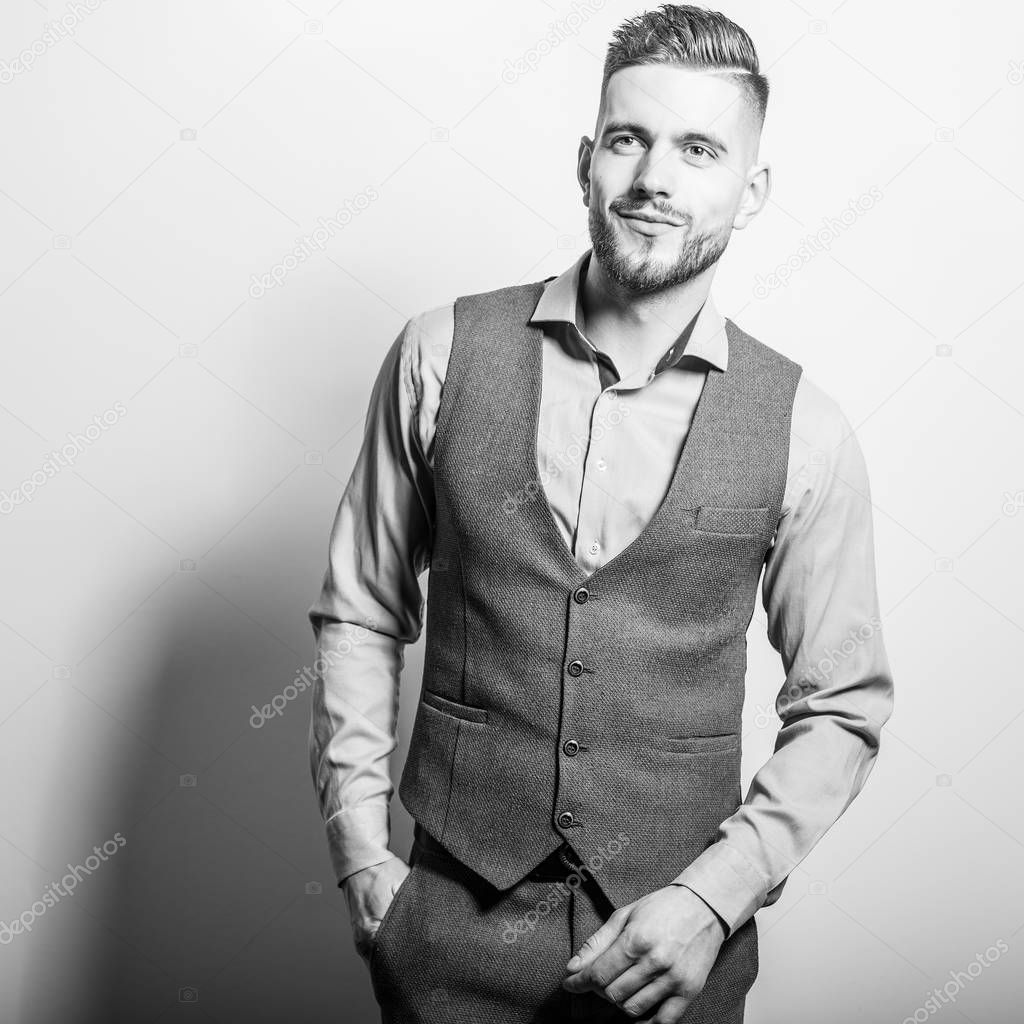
[(369, 894)]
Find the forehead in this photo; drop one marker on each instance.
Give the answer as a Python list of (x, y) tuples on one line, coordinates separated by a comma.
[(672, 98)]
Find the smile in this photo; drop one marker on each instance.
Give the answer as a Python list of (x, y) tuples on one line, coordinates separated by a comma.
[(645, 224)]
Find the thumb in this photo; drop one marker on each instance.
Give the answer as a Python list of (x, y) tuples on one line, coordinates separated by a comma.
[(599, 941)]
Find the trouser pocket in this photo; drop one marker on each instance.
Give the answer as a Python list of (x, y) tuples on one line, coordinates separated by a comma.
[(385, 922)]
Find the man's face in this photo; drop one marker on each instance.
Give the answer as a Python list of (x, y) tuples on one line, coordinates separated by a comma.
[(669, 174)]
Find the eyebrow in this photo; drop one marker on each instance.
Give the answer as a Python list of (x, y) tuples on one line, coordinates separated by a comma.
[(680, 139)]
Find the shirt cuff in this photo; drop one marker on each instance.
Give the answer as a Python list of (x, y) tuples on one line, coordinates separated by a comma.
[(357, 838), (727, 882)]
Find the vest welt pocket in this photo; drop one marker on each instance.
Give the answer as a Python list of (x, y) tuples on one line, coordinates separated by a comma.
[(699, 744), (734, 520), (454, 709)]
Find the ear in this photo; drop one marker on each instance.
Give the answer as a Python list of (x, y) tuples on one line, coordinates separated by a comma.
[(583, 167), (755, 195)]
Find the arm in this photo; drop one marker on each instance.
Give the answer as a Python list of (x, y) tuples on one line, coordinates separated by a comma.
[(370, 606), (820, 596)]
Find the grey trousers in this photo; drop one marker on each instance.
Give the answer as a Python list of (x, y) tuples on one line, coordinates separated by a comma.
[(453, 950)]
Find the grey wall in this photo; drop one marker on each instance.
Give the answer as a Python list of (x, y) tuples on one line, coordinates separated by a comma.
[(161, 154)]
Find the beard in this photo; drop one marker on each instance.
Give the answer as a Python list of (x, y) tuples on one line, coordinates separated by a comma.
[(635, 269)]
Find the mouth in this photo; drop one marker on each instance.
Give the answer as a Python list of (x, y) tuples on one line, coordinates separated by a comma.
[(648, 223), (653, 218)]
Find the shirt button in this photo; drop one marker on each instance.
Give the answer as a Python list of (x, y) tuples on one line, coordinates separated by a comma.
[(602, 465), (571, 748), (612, 393), (581, 596), (594, 548), (565, 819), (575, 668)]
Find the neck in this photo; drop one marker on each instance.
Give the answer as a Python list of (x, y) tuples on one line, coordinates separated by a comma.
[(636, 329)]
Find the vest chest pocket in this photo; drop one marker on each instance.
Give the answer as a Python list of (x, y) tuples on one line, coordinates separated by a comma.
[(725, 519)]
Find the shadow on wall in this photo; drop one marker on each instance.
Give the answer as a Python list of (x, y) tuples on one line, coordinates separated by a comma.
[(220, 903)]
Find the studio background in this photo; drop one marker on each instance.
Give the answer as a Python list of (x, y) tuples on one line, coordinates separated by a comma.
[(161, 162)]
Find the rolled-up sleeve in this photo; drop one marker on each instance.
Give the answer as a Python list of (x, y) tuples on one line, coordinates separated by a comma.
[(370, 606), (819, 592)]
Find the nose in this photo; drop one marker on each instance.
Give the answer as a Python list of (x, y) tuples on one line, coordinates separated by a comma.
[(653, 177)]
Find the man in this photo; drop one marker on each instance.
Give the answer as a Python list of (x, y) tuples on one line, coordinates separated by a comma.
[(597, 468)]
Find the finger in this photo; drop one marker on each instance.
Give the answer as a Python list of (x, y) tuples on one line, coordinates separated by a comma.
[(669, 1012), (639, 990), (603, 969), (598, 942)]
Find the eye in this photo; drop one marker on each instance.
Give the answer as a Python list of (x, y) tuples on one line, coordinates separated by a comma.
[(702, 152), (622, 140)]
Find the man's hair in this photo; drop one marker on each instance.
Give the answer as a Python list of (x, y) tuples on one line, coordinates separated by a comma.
[(694, 38)]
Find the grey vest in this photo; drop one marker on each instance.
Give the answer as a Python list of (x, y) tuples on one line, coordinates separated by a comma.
[(604, 710)]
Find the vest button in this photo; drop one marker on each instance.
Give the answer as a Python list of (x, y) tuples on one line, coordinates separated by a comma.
[(581, 596), (575, 668), (571, 748), (565, 819)]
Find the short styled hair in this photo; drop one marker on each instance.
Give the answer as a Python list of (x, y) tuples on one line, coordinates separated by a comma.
[(694, 38)]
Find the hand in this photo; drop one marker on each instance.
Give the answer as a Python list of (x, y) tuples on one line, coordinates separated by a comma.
[(651, 958), (369, 893)]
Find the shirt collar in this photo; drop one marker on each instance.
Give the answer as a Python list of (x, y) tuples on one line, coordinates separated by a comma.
[(707, 341)]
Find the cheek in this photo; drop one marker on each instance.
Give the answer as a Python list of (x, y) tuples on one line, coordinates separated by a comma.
[(710, 207), (612, 178), (600, 197), (723, 198)]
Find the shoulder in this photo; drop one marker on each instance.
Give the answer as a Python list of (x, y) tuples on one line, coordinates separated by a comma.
[(427, 338), (819, 423), (426, 344), (826, 460), (512, 303), (752, 349), (824, 452)]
